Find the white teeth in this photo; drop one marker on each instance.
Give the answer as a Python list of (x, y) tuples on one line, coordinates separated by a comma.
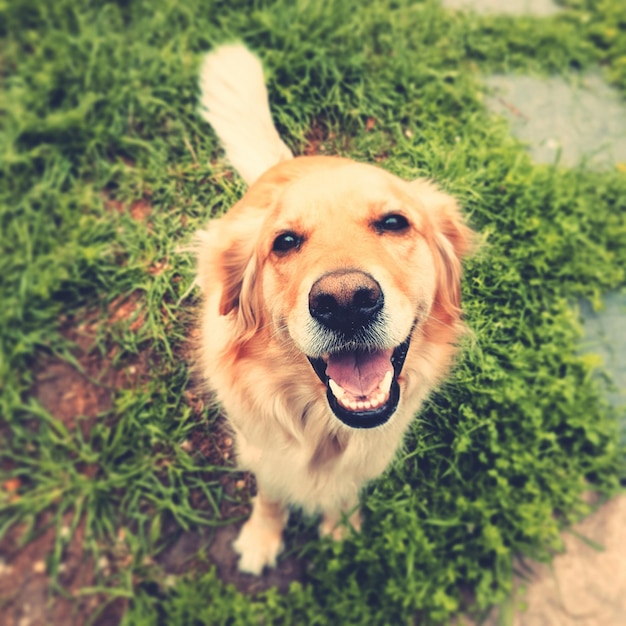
[(385, 383), (338, 391), (363, 405), (378, 400), (346, 399)]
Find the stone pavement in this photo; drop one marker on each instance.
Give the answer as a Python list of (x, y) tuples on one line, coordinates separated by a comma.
[(571, 121), (511, 7), (583, 586), (605, 335), (586, 585)]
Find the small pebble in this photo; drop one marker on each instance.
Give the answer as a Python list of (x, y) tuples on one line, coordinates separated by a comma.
[(169, 581)]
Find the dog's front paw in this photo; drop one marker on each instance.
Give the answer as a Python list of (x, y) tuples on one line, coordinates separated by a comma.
[(258, 545)]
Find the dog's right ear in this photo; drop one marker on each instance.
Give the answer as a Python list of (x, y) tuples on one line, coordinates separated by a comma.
[(228, 268)]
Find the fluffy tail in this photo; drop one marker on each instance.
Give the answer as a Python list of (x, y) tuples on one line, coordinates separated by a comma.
[(234, 101)]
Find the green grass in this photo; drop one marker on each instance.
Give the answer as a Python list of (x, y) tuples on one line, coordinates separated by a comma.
[(100, 102)]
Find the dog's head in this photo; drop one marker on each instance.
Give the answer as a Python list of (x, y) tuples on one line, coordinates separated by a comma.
[(345, 263)]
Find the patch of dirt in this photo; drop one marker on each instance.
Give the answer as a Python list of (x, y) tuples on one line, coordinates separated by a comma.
[(316, 139), (26, 595), (76, 394), (140, 210), (319, 140), (128, 307)]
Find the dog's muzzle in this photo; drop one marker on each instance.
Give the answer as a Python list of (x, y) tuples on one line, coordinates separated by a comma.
[(361, 379)]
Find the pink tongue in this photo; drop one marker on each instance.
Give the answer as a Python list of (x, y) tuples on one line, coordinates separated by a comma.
[(359, 373)]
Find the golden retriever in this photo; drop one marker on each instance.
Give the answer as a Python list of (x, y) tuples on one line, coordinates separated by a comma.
[(331, 309)]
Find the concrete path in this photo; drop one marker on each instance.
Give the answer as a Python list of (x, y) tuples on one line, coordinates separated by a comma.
[(605, 335), (586, 585), (511, 7), (569, 121), (583, 586)]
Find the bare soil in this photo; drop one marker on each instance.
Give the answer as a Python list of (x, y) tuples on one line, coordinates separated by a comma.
[(78, 396)]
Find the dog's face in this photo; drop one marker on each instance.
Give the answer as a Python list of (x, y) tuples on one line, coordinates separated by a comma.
[(346, 264)]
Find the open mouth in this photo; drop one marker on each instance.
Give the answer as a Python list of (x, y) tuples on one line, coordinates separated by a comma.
[(362, 385)]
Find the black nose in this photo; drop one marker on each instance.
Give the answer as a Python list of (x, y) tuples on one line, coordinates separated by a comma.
[(346, 300)]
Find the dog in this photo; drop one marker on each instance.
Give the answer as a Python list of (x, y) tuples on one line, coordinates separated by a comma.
[(331, 309)]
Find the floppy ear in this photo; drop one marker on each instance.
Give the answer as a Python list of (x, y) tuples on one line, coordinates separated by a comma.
[(453, 240), (228, 268)]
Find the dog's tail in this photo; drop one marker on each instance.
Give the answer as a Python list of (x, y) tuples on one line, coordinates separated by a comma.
[(234, 101)]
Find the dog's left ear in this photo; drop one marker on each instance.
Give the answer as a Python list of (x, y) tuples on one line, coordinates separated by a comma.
[(453, 239)]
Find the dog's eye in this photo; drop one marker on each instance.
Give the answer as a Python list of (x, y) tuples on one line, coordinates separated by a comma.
[(286, 241), (392, 222)]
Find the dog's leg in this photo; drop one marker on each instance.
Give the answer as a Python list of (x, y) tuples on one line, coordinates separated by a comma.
[(260, 539), (331, 523)]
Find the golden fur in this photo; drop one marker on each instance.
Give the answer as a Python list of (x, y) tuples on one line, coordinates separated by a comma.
[(256, 328)]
